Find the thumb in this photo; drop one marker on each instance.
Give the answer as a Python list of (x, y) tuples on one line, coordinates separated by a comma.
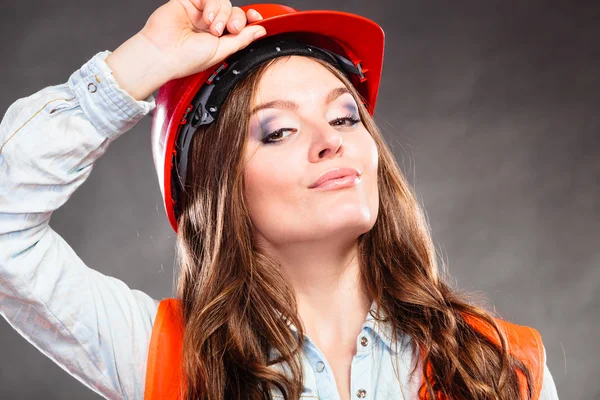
[(229, 44)]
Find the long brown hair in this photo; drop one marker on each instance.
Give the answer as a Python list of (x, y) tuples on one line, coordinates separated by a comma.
[(237, 303)]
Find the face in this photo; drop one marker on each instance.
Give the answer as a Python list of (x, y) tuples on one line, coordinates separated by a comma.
[(306, 124)]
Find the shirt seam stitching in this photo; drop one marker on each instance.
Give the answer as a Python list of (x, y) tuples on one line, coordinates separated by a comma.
[(31, 118)]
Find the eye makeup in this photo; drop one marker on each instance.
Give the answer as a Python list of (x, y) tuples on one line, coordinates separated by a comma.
[(266, 128), (348, 120)]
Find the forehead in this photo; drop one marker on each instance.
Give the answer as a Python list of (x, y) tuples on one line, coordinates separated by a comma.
[(295, 77)]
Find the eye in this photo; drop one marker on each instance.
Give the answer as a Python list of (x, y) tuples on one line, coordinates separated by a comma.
[(278, 135), (348, 120)]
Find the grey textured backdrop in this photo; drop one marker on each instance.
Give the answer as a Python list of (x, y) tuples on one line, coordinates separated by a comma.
[(491, 108)]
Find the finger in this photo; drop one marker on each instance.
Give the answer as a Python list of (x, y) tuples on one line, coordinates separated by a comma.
[(229, 44), (208, 8), (218, 27), (194, 15), (237, 20), (252, 15)]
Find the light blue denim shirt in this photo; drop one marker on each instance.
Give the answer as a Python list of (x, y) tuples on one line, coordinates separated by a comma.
[(94, 326)]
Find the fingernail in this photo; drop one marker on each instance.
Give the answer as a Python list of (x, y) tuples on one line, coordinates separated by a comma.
[(257, 13), (236, 24), (219, 27), (260, 33), (211, 17)]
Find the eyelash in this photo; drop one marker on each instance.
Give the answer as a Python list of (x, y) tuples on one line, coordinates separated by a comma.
[(349, 118)]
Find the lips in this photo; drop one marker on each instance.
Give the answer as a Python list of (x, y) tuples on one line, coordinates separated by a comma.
[(335, 173)]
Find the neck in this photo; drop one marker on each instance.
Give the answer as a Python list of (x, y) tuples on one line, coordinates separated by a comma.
[(332, 302)]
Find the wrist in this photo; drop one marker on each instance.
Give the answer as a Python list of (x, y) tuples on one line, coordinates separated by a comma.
[(138, 68)]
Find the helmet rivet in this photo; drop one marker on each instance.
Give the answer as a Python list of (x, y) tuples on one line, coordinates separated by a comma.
[(277, 48)]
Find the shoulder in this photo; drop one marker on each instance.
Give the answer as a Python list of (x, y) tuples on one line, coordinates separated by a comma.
[(169, 318), (167, 333), (522, 339), (165, 352), (524, 343)]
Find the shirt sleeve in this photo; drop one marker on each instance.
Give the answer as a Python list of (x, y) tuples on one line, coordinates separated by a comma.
[(93, 326), (548, 391)]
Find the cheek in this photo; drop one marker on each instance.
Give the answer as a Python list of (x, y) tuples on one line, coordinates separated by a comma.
[(368, 155), (271, 188), (372, 156)]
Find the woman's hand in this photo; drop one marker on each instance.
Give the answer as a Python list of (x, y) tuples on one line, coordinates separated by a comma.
[(188, 33), (181, 38)]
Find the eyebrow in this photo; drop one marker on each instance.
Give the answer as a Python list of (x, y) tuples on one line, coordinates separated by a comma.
[(290, 105)]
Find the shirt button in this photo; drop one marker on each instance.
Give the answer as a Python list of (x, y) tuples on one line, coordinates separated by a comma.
[(92, 88), (364, 341), (361, 394), (320, 366)]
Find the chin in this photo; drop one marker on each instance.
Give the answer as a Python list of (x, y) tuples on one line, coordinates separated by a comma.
[(356, 220)]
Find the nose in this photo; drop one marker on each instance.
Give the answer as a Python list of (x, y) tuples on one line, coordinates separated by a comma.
[(327, 143)]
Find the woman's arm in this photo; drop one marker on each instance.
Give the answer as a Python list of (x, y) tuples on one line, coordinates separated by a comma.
[(92, 325), (548, 387)]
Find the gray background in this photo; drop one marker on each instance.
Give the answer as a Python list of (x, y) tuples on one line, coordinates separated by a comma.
[(491, 109)]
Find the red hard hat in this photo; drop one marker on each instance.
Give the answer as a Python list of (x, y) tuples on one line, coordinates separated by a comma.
[(361, 39)]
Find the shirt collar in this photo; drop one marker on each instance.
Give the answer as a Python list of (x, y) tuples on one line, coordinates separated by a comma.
[(382, 329)]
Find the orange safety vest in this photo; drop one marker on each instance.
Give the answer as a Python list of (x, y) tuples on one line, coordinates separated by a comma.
[(164, 377)]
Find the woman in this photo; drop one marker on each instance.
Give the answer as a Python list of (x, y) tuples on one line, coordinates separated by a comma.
[(307, 269)]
